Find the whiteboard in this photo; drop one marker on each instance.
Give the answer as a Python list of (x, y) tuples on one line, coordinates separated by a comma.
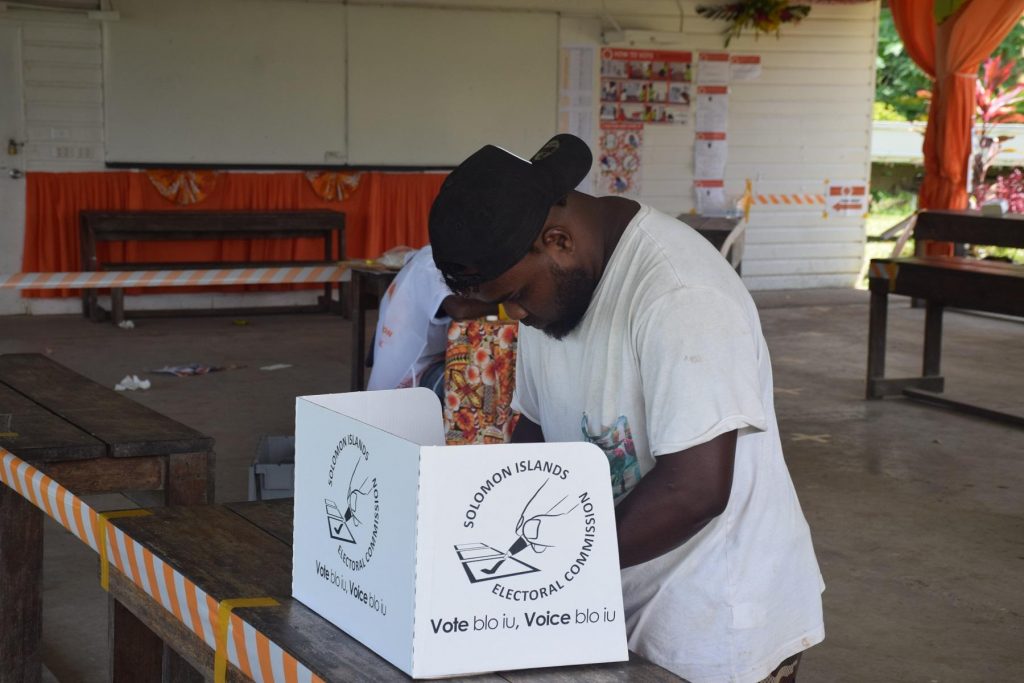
[(226, 82), (430, 86)]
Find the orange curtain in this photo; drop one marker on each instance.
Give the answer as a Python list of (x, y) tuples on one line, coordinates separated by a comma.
[(956, 48), (386, 210), (914, 23)]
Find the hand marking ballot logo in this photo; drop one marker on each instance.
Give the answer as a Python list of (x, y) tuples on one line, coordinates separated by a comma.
[(535, 530), (528, 518)]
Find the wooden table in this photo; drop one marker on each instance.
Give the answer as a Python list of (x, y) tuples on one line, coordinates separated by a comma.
[(366, 289), (92, 440), (944, 281), (244, 550), (716, 229)]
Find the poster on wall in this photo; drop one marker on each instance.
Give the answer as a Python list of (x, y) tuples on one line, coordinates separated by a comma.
[(619, 162), (846, 198), (712, 107), (713, 68), (744, 67), (576, 98), (711, 199), (709, 154), (646, 86)]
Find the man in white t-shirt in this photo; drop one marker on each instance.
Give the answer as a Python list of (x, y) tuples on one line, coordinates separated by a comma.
[(637, 336), (412, 328)]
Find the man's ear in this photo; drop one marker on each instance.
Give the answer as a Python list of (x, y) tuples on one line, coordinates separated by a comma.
[(557, 239)]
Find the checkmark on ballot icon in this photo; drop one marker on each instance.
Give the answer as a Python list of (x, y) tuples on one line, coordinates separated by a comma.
[(337, 523)]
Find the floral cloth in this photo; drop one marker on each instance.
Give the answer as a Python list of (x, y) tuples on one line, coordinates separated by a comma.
[(479, 376)]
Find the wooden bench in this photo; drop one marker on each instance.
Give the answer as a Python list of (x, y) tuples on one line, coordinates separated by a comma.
[(97, 226), (90, 439), (244, 550), (941, 281)]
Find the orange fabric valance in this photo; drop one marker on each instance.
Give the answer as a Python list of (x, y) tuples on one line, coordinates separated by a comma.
[(951, 54), (384, 211)]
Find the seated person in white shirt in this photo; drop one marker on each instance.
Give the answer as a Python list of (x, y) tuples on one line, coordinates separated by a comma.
[(412, 331)]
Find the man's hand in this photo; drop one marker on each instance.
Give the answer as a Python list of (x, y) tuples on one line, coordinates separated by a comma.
[(676, 499)]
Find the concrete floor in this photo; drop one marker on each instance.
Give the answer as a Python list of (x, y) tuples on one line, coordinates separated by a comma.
[(917, 513)]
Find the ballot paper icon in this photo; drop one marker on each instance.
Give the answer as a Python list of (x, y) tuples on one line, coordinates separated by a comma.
[(482, 562), (337, 525)]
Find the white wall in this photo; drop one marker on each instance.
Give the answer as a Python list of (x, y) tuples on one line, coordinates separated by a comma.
[(52, 86), (807, 119), (12, 192)]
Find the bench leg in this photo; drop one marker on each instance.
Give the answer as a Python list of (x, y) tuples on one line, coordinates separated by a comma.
[(189, 478), (21, 570), (178, 670), (91, 308), (932, 340), (358, 358), (86, 307), (136, 653), (117, 305), (877, 322)]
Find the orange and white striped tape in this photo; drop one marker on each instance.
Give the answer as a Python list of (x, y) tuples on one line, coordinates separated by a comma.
[(241, 644), (176, 278), (886, 271), (792, 199)]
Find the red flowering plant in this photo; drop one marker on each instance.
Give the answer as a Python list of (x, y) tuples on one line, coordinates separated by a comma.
[(1011, 188), (996, 98)]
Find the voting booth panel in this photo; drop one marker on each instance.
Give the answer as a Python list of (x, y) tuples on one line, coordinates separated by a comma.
[(452, 560)]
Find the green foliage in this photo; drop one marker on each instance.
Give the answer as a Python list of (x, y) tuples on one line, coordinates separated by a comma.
[(898, 79), (886, 112), (900, 203), (1012, 46), (763, 16)]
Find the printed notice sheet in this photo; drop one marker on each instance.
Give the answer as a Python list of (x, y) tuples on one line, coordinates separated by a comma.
[(712, 107), (713, 68), (710, 197), (709, 154), (576, 99), (744, 67)]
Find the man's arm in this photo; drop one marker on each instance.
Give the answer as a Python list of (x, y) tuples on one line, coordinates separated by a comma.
[(527, 431), (684, 491)]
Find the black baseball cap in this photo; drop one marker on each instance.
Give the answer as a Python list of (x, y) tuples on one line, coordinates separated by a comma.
[(492, 207)]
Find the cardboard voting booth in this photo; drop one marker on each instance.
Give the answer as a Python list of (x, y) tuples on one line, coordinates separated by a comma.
[(451, 560)]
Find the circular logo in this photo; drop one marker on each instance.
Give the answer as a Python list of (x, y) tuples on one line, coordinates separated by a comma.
[(353, 510), (528, 531)]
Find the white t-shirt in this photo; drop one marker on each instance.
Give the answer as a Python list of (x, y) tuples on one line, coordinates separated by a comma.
[(669, 355), (409, 337)]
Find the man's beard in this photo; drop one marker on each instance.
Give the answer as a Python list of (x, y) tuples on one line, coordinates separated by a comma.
[(573, 291)]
